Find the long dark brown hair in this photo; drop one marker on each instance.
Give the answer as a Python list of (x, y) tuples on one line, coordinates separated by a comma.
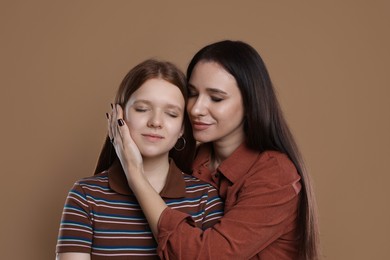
[(151, 69), (264, 125)]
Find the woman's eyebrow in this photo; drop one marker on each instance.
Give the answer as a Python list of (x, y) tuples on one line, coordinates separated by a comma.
[(212, 90), (216, 91)]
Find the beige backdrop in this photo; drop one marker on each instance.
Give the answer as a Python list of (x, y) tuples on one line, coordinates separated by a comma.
[(61, 62)]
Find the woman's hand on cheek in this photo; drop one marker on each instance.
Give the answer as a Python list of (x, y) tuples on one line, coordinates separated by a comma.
[(126, 150)]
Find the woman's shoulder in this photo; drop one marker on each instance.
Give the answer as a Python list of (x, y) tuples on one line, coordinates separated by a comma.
[(275, 166), (275, 157)]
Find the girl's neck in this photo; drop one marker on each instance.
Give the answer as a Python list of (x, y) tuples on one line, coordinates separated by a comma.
[(156, 171)]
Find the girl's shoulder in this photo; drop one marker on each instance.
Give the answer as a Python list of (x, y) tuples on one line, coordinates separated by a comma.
[(192, 182), (100, 179)]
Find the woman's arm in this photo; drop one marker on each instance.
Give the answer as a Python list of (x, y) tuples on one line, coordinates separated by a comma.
[(131, 160), (73, 256), (262, 213), (260, 216)]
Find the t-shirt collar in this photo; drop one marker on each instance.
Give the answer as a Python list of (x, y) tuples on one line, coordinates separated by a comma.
[(174, 186)]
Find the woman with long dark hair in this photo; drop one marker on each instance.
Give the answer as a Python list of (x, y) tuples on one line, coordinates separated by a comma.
[(248, 153)]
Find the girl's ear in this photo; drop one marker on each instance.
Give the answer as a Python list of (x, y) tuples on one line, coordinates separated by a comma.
[(181, 131)]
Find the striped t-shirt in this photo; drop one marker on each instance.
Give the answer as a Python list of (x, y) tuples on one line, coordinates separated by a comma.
[(102, 217)]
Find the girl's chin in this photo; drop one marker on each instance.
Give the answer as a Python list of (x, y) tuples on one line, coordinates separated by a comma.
[(153, 153)]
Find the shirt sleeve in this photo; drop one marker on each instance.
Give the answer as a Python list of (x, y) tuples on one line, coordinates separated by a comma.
[(262, 212), (75, 234)]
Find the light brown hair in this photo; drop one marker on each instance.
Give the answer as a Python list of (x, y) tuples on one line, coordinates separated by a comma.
[(151, 69)]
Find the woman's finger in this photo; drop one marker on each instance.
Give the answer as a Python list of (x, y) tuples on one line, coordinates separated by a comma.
[(123, 131), (128, 151), (119, 111), (119, 119), (109, 132), (113, 126)]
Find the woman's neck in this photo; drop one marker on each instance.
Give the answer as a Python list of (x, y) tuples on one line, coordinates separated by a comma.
[(156, 171), (222, 150)]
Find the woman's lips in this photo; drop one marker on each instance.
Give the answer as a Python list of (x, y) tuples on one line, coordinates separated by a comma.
[(199, 126)]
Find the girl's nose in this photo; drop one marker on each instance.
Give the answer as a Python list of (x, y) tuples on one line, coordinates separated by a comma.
[(155, 120)]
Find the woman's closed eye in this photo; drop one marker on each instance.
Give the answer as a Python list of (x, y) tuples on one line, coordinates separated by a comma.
[(216, 99), (192, 92)]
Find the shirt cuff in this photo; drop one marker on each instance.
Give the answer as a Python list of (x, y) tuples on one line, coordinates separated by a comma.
[(167, 224)]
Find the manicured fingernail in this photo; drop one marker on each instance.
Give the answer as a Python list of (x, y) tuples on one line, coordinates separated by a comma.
[(108, 117), (120, 122)]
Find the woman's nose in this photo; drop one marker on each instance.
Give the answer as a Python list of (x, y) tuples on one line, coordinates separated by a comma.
[(197, 107)]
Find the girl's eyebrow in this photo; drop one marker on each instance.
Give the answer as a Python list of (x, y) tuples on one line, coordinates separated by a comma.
[(173, 106), (141, 101), (147, 102)]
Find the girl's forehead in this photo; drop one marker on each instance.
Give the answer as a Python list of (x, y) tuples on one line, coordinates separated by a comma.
[(158, 92)]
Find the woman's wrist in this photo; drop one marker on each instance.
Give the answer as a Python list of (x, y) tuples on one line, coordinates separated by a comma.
[(135, 177)]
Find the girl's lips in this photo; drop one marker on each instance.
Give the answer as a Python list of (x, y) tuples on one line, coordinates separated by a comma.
[(153, 137)]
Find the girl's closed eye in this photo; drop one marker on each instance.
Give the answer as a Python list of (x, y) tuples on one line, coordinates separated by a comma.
[(140, 109), (173, 114)]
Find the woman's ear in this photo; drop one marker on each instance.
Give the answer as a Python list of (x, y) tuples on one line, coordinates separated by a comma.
[(181, 131)]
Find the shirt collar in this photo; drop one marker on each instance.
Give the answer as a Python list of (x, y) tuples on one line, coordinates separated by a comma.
[(234, 167), (173, 188)]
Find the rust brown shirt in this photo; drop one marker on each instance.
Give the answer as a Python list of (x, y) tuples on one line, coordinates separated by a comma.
[(261, 193)]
